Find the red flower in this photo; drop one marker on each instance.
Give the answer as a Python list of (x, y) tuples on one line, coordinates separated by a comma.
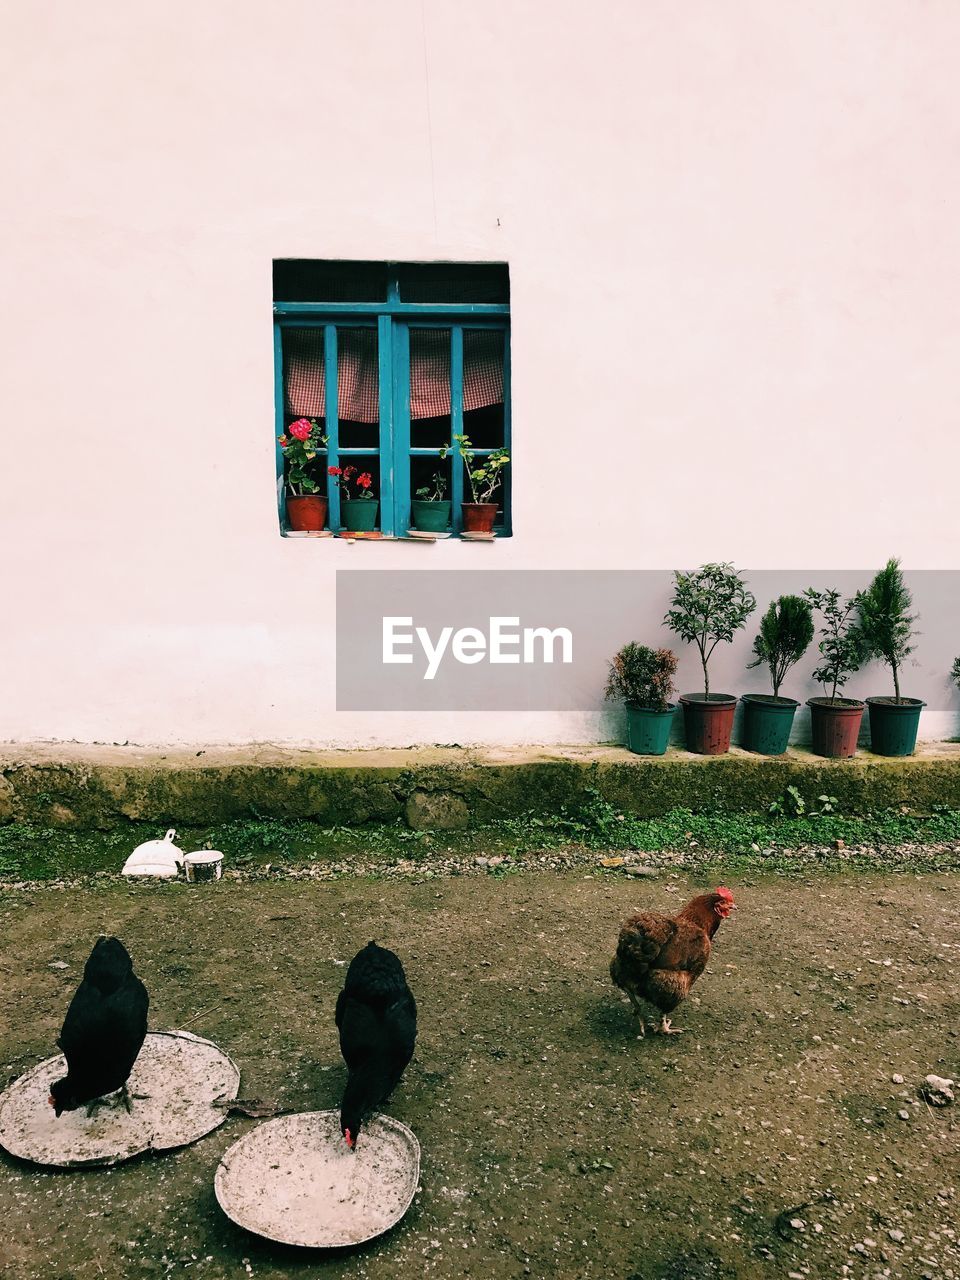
[(348, 472), (283, 441), (334, 471), (365, 481), (300, 429)]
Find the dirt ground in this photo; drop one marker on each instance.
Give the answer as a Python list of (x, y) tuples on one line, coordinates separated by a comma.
[(555, 1143)]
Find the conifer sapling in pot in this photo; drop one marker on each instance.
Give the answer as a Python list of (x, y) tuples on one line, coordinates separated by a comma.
[(834, 720), (887, 632), (786, 631), (709, 606), (643, 679)]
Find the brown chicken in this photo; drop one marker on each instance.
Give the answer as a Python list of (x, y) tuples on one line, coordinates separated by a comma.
[(659, 958)]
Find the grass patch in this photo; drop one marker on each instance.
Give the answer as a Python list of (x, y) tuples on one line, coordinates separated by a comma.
[(38, 853)]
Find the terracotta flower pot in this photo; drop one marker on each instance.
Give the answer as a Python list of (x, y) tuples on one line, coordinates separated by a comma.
[(478, 517), (835, 726), (708, 722), (307, 513)]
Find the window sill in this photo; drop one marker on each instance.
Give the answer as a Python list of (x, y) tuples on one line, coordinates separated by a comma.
[(375, 536)]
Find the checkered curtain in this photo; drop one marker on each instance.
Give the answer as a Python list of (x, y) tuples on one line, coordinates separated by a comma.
[(358, 374)]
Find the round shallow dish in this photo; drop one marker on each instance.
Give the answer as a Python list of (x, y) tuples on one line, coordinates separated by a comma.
[(295, 1181), (172, 1088)]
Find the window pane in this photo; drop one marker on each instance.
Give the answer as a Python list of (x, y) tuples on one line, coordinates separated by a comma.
[(429, 388), (358, 382), (358, 388), (468, 282), (306, 280), (483, 420), (424, 473)]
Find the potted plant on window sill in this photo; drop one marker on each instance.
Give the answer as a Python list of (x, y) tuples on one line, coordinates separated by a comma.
[(358, 506), (643, 679), (430, 510), (886, 627), (786, 631), (835, 721), (485, 479), (709, 605), (306, 505)]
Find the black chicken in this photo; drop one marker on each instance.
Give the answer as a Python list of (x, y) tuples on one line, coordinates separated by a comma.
[(377, 1018), (103, 1031)]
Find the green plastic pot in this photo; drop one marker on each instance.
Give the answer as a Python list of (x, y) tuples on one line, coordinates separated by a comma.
[(430, 517), (767, 722), (894, 725), (708, 722), (359, 514), (648, 731)]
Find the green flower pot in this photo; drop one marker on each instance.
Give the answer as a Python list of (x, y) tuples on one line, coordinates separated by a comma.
[(893, 725), (767, 722), (430, 517), (648, 732), (359, 514)]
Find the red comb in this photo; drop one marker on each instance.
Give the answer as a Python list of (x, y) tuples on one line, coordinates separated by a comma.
[(724, 893)]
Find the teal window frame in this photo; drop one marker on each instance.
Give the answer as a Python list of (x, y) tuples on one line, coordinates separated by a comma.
[(393, 320)]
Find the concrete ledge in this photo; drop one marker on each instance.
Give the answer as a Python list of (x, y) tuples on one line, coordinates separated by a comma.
[(102, 787)]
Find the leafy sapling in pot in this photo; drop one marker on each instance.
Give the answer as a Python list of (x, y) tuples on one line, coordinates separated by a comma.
[(642, 679), (709, 606), (485, 474), (306, 505), (886, 627), (786, 632), (430, 509), (835, 720)]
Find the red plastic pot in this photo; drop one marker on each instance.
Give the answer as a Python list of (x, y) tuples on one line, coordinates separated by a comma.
[(307, 513), (835, 726), (478, 517), (708, 722)]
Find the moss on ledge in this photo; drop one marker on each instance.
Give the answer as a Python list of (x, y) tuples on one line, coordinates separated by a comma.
[(106, 787)]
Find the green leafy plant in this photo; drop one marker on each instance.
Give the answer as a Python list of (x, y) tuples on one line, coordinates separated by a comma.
[(641, 676), (786, 631), (828, 804), (301, 442), (709, 605), (436, 488), (487, 476), (955, 673), (885, 620), (791, 804), (841, 644)]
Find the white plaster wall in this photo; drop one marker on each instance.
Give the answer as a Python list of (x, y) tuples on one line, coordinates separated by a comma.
[(734, 240)]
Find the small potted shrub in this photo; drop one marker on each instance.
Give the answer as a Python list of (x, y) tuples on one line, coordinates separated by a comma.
[(306, 505), (709, 605), (358, 506), (886, 627), (430, 510), (786, 631), (835, 721), (485, 478), (643, 679)]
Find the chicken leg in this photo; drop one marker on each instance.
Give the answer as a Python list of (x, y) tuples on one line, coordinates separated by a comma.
[(665, 1028)]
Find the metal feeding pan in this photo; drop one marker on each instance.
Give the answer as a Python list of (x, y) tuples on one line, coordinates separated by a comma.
[(172, 1088), (295, 1181)]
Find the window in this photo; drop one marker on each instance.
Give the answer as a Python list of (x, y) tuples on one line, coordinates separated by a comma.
[(393, 360)]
